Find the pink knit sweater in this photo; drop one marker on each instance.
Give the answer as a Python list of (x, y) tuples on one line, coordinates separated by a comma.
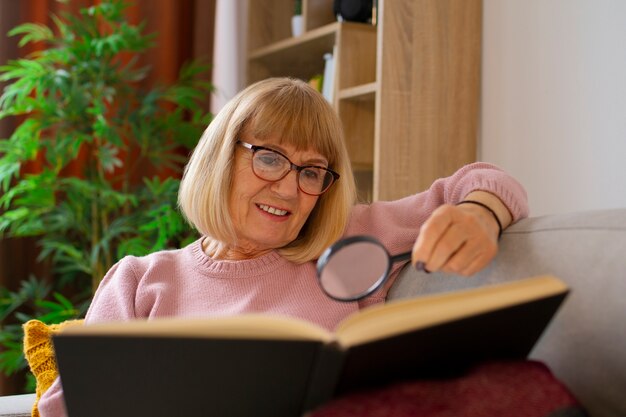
[(187, 282)]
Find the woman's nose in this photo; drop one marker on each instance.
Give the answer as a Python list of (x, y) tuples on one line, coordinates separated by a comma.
[(287, 186)]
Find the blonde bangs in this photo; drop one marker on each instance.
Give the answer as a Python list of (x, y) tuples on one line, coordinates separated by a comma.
[(298, 117)]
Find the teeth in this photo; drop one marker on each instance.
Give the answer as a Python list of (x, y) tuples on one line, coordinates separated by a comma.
[(273, 210)]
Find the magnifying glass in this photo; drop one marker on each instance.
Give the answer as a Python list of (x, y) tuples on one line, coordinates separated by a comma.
[(355, 267)]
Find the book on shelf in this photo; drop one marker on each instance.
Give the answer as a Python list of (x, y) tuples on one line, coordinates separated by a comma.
[(328, 80), (264, 365)]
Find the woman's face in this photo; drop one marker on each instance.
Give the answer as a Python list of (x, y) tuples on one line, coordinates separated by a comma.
[(268, 215)]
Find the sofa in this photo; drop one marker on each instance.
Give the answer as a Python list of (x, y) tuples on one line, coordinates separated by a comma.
[(585, 344)]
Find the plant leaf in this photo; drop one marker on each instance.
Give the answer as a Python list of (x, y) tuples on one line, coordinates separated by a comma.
[(32, 32)]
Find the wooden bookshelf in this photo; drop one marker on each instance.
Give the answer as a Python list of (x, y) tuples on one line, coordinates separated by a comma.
[(406, 90)]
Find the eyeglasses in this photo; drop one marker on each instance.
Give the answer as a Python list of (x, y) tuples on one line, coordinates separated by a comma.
[(271, 165)]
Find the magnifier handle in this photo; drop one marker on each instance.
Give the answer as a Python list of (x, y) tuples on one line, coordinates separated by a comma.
[(400, 257), (405, 257)]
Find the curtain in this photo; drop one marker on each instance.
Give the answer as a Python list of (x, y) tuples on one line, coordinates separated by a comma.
[(184, 31)]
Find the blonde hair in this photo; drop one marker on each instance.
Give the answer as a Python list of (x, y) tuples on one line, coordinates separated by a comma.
[(297, 114)]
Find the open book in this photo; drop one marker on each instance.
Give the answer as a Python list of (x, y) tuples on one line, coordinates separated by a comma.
[(275, 366)]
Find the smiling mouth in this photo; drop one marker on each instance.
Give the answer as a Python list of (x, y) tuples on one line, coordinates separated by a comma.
[(272, 210)]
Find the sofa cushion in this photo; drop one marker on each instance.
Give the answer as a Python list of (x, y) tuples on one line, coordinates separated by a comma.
[(585, 344), (498, 388)]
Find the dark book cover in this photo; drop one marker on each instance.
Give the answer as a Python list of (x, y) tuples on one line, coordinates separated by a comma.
[(449, 348), (166, 377)]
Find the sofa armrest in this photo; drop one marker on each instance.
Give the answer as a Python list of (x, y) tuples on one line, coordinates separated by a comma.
[(585, 344), (17, 405)]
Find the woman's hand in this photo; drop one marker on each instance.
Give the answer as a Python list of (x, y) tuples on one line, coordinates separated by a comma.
[(461, 239)]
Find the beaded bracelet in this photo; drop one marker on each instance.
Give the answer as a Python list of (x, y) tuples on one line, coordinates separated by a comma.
[(495, 216)]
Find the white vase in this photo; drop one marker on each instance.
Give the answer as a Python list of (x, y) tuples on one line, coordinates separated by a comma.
[(297, 25)]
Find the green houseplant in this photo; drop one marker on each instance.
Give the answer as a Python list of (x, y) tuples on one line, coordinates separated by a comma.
[(108, 153)]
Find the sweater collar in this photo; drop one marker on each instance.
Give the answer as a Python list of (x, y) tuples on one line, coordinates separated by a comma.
[(234, 269)]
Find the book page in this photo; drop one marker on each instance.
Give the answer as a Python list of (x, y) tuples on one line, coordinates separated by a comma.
[(249, 326), (397, 317)]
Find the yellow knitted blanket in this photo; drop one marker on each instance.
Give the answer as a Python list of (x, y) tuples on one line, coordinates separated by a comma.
[(39, 353)]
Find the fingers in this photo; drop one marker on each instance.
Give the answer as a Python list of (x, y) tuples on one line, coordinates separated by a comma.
[(472, 258), (430, 232), (451, 242), (454, 240)]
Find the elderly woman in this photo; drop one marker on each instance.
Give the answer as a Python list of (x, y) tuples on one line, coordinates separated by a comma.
[(269, 187)]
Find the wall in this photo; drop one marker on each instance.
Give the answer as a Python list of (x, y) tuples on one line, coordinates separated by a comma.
[(554, 100)]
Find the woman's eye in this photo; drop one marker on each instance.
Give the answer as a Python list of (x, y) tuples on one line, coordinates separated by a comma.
[(311, 174), (269, 159)]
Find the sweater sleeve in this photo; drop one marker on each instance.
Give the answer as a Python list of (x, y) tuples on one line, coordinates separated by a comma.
[(114, 300), (116, 296), (51, 403), (396, 224)]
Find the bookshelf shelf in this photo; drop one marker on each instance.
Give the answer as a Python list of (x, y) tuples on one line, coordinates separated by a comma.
[(322, 38), (364, 92)]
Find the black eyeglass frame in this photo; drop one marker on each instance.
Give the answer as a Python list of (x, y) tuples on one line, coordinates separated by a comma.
[(292, 167)]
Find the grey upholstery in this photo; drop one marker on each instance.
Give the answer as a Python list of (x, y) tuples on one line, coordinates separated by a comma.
[(585, 345)]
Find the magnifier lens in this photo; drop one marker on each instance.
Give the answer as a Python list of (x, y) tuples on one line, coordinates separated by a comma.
[(355, 270)]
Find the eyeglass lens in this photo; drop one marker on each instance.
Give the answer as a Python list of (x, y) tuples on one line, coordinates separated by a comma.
[(271, 166)]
